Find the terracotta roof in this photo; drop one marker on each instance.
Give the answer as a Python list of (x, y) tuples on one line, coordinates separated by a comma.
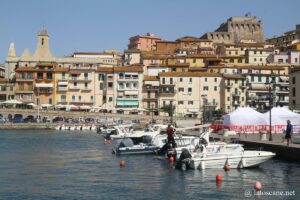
[(151, 78), (197, 69), (165, 41), (26, 69), (191, 39), (61, 69), (247, 67), (189, 74), (201, 56), (179, 65), (157, 66), (132, 51), (104, 69), (128, 69), (235, 76)]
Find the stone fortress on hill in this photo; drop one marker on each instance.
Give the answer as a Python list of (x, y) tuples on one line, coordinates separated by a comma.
[(236, 30)]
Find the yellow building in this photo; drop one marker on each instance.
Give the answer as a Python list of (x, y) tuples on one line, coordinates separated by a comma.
[(233, 92), (61, 76)]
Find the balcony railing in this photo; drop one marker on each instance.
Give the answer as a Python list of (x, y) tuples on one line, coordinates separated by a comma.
[(74, 88), (62, 89), (236, 94), (229, 85)]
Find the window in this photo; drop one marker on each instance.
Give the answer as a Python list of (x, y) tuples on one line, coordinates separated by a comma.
[(215, 88), (294, 80), (92, 98), (110, 99), (163, 80), (50, 101), (205, 88), (231, 60), (164, 103), (30, 88), (254, 59), (40, 75), (42, 42), (180, 89), (296, 60), (294, 91), (228, 98), (235, 81), (171, 80), (180, 102), (100, 77), (75, 84), (180, 79), (73, 98), (110, 84), (148, 94), (260, 52), (194, 60), (86, 76), (79, 98), (243, 99), (236, 52), (205, 79), (214, 102), (254, 52), (191, 80), (173, 69), (49, 76), (21, 87), (189, 89), (30, 75), (190, 103), (228, 89), (252, 78), (260, 59), (216, 79), (85, 85), (240, 60), (101, 86), (259, 79)]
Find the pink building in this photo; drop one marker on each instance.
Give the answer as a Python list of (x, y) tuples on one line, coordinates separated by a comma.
[(143, 42)]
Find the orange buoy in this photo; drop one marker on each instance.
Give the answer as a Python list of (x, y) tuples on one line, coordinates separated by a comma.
[(258, 186), (227, 167), (122, 163), (218, 178), (171, 159)]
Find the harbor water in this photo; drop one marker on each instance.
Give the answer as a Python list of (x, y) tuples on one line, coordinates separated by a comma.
[(48, 164)]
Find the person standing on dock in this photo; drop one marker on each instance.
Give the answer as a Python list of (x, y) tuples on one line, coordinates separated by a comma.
[(288, 132), (170, 133)]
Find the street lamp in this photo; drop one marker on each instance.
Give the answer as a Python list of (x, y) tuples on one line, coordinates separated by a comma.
[(152, 112), (271, 84)]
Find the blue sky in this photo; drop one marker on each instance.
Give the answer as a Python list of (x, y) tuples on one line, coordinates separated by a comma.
[(95, 25)]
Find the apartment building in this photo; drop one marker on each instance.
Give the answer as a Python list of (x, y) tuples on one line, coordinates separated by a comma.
[(189, 92), (294, 92), (151, 94), (7, 90)]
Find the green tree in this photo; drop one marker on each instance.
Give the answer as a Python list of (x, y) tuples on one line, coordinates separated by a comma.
[(168, 109)]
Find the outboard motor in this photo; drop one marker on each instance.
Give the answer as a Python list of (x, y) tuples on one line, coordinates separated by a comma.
[(182, 161)]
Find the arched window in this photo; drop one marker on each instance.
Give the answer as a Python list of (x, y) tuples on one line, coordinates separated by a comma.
[(42, 41)]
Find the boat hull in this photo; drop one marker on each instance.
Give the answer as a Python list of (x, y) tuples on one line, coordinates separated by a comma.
[(244, 160)]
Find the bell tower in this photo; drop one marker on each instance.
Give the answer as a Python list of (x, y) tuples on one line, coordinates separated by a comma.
[(43, 52)]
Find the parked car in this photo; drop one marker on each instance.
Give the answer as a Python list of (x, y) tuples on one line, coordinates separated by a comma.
[(29, 119), (2, 120), (18, 118), (58, 120)]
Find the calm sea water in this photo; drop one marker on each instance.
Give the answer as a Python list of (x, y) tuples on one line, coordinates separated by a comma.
[(48, 164)]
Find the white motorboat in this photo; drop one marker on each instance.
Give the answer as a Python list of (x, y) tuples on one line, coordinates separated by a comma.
[(126, 131), (235, 157), (149, 145)]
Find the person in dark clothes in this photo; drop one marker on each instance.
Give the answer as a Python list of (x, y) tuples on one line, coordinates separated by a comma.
[(170, 133), (288, 132)]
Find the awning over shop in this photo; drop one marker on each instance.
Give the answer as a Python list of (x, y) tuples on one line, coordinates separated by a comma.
[(131, 92), (44, 85), (63, 83), (193, 110), (126, 102)]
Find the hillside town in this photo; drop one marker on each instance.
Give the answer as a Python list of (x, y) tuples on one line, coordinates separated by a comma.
[(233, 66)]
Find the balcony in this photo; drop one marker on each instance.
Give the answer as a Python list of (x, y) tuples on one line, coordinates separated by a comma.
[(122, 78), (236, 103), (74, 88), (86, 89), (24, 79), (150, 88), (62, 89), (229, 85), (236, 94), (81, 102), (170, 89), (243, 86), (62, 101), (44, 90), (76, 79)]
